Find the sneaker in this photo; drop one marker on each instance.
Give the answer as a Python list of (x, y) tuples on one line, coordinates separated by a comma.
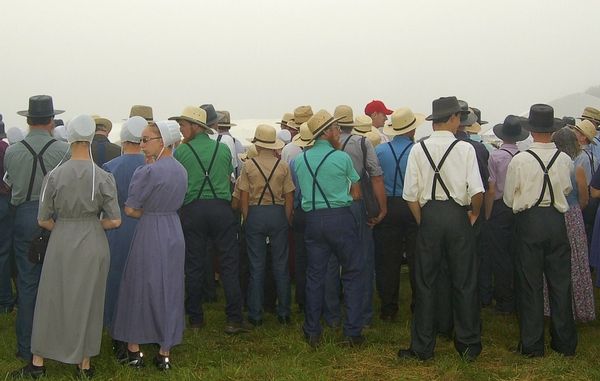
[(162, 362), (29, 371), (232, 328), (84, 374), (135, 359)]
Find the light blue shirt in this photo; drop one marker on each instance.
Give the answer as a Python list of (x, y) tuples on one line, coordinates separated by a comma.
[(387, 160)]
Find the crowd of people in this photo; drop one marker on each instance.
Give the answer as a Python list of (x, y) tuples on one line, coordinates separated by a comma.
[(140, 231)]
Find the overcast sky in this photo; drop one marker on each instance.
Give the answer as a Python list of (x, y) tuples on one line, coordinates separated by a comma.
[(259, 59)]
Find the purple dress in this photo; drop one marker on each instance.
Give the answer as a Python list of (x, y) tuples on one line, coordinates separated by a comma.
[(150, 304)]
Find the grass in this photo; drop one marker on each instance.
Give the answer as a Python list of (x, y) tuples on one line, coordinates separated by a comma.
[(274, 352)]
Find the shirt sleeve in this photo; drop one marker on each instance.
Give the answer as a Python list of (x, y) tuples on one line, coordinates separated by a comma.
[(510, 186), (140, 187), (236, 190), (46, 208), (492, 169), (243, 182), (474, 182), (288, 183), (410, 191), (110, 205), (373, 166), (350, 171)]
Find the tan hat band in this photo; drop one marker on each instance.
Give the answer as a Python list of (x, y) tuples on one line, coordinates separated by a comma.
[(264, 141), (405, 127)]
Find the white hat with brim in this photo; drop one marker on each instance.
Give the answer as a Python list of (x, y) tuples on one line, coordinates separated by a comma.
[(403, 122), (265, 136), (195, 115)]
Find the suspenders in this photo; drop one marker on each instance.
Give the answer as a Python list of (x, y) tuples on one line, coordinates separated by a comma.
[(547, 182), (314, 176), (437, 177), (267, 180), (398, 171), (37, 157), (508, 152), (591, 159), (346, 143), (206, 171)]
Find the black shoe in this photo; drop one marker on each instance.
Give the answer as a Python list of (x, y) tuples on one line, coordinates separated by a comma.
[(235, 328), (29, 371), (162, 362), (313, 341), (353, 341), (199, 325), (284, 320), (256, 323), (120, 350), (519, 350), (388, 317), (409, 354), (84, 374), (135, 359)]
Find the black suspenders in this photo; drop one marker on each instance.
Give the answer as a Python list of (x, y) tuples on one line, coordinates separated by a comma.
[(508, 152), (37, 157), (314, 176), (267, 181), (591, 159), (437, 177), (206, 171), (547, 182), (398, 171), (346, 143)]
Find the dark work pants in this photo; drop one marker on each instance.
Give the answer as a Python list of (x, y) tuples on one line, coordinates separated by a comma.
[(498, 233), (333, 232), (394, 235), (203, 220), (445, 234), (299, 224), (485, 277), (7, 299), (542, 248)]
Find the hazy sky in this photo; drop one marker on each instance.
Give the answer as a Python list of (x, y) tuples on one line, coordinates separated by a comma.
[(259, 59)]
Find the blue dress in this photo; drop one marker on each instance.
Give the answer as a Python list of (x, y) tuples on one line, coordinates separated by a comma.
[(119, 240), (150, 305)]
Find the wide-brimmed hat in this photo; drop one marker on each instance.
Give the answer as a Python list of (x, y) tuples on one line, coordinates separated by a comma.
[(194, 115), (304, 138), (132, 129), (474, 128), (344, 113), (285, 120), (225, 120), (511, 130), (478, 113), (143, 111), (265, 136), (40, 106), (377, 106), (444, 107), (81, 129), (319, 122), (374, 137), (301, 114), (467, 116), (250, 153), (541, 119), (104, 123), (212, 116), (587, 128), (403, 121), (591, 113), (169, 132), (362, 124)]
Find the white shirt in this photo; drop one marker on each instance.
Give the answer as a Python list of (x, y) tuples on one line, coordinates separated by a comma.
[(384, 137), (228, 141), (289, 152), (459, 172), (525, 179)]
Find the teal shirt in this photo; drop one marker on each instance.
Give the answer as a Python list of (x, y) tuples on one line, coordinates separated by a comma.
[(220, 174), (18, 162), (335, 177)]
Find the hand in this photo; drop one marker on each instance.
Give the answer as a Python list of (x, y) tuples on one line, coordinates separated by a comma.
[(375, 220), (472, 217)]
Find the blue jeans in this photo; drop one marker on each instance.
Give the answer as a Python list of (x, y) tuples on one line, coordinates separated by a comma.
[(7, 299), (267, 221), (333, 232), (24, 227)]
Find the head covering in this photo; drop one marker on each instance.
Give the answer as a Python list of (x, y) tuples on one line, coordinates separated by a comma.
[(374, 138), (591, 113), (444, 107), (362, 124), (284, 135), (304, 138), (194, 115), (478, 114), (319, 122), (511, 129), (403, 121), (81, 129), (169, 132), (467, 116), (212, 116), (586, 128), (285, 119), (14, 135), (249, 154), (265, 136), (143, 111), (377, 106), (40, 106), (541, 119), (103, 123), (225, 120), (301, 115), (60, 133), (345, 114), (132, 129), (474, 128)]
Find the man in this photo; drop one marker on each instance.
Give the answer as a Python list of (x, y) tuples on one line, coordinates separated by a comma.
[(223, 126), (212, 121), (206, 214), (6, 293), (397, 231), (499, 225), (26, 163), (363, 157), (442, 180), (378, 112), (329, 184), (103, 150), (286, 124), (301, 115), (537, 182)]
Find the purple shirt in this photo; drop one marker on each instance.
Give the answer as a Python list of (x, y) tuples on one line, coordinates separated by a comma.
[(498, 164), (4, 189)]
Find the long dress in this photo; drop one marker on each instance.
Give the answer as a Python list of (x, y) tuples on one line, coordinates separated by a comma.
[(67, 322), (119, 240), (150, 305)]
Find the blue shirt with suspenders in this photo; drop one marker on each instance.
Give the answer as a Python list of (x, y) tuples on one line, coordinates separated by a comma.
[(393, 158)]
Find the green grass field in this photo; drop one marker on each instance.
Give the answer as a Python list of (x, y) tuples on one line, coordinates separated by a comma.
[(274, 352)]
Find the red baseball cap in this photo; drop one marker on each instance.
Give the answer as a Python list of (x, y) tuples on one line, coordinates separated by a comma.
[(376, 106)]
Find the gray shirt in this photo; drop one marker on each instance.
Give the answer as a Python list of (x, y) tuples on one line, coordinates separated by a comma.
[(18, 163), (354, 149)]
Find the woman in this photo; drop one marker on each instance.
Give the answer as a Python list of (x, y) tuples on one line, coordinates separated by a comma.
[(583, 296), (150, 304), (119, 240), (67, 322)]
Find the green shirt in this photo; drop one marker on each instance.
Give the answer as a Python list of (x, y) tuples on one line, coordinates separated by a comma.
[(334, 176), (219, 175)]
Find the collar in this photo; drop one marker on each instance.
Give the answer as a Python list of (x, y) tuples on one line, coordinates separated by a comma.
[(100, 137), (38, 132), (398, 138), (442, 134), (510, 146), (462, 135), (265, 153), (323, 143), (538, 145), (226, 132), (201, 136)]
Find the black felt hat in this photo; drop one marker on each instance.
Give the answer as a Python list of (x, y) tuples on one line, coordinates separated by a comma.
[(541, 119), (40, 106), (444, 107), (511, 129)]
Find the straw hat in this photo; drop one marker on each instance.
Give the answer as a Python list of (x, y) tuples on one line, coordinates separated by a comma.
[(473, 128), (249, 154), (265, 136), (362, 125), (344, 113), (374, 138), (403, 121), (301, 114), (285, 119), (591, 113), (587, 128), (304, 138), (225, 120), (194, 115), (143, 111), (319, 122), (103, 122)]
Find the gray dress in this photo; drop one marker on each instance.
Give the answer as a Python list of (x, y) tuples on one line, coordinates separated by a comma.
[(67, 322)]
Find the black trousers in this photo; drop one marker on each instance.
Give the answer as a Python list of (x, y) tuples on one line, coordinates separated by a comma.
[(445, 238), (299, 225), (203, 220), (542, 248), (396, 234)]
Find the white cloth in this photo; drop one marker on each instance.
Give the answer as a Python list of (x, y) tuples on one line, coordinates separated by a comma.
[(384, 137), (459, 172), (239, 149), (525, 179), (289, 152), (228, 141)]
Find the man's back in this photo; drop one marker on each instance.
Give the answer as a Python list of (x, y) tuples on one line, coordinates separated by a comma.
[(103, 150)]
